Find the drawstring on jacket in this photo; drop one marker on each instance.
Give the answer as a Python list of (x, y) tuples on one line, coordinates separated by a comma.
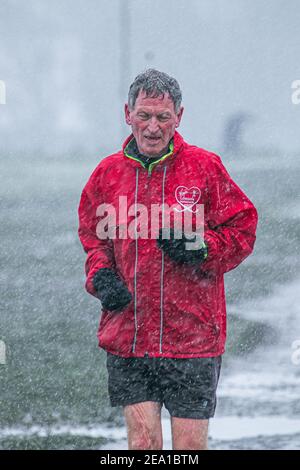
[(136, 262), (136, 257)]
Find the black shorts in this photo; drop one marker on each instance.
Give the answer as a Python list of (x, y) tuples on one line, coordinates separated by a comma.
[(187, 387)]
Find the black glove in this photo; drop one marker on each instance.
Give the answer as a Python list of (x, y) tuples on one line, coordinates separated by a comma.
[(175, 248), (111, 290)]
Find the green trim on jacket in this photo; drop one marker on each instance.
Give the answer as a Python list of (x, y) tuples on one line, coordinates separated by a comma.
[(131, 151)]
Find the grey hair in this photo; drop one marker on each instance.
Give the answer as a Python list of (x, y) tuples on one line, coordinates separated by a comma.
[(155, 83)]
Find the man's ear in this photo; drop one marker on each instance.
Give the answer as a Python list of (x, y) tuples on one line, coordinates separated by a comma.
[(179, 116), (127, 114)]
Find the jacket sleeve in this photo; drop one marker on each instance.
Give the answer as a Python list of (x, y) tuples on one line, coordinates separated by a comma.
[(231, 221), (99, 252)]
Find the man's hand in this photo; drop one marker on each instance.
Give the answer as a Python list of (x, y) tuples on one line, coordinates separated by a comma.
[(111, 290), (175, 248)]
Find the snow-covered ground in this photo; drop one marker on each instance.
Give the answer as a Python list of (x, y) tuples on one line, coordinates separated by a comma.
[(228, 432)]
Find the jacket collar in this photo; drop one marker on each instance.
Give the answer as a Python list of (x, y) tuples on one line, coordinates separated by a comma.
[(175, 146)]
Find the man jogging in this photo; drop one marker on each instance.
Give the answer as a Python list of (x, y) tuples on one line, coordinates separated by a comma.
[(161, 222)]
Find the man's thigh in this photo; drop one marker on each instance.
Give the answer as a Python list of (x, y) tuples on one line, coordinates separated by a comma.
[(143, 422)]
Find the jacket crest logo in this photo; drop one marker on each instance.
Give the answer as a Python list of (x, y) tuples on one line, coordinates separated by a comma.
[(187, 198)]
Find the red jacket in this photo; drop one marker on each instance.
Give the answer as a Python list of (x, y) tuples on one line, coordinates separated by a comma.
[(176, 310)]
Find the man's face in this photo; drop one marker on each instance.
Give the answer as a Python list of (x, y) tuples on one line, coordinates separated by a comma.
[(153, 122)]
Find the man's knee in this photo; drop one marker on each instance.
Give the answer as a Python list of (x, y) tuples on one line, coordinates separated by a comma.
[(191, 444)]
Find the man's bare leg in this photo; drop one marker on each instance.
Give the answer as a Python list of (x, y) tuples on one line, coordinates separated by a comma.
[(143, 421), (189, 434)]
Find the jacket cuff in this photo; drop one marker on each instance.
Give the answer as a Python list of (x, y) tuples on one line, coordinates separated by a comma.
[(210, 263)]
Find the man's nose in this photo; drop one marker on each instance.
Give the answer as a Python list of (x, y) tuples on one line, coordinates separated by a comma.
[(153, 126)]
